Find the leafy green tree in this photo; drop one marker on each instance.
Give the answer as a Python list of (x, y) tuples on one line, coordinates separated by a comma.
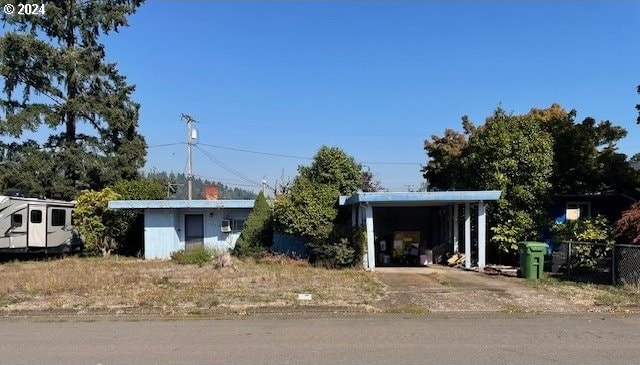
[(55, 75), (96, 223), (308, 210), (634, 161), (332, 166), (586, 159), (25, 169), (257, 233), (443, 168), (513, 154), (531, 158), (141, 189)]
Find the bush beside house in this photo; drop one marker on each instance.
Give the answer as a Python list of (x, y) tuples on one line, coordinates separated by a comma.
[(257, 233), (95, 222), (105, 231), (627, 228), (310, 209)]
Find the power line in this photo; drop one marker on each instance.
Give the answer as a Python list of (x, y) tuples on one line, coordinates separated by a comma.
[(226, 167), (286, 155), (256, 152), (300, 157), (165, 144), (223, 181)]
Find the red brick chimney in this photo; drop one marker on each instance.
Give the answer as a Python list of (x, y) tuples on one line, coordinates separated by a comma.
[(211, 192)]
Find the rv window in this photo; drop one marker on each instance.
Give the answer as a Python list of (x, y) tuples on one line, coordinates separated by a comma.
[(16, 221), (58, 217), (36, 216)]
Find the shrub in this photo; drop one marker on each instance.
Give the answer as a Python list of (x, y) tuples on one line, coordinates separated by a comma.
[(332, 254), (344, 247), (627, 228), (95, 222), (197, 256), (583, 230), (257, 233)]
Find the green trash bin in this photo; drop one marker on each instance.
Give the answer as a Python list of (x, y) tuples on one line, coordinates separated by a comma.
[(532, 259)]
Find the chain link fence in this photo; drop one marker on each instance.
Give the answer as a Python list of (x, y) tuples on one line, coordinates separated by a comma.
[(627, 265), (594, 262)]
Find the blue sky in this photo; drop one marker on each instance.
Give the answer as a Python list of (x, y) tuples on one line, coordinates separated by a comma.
[(375, 78)]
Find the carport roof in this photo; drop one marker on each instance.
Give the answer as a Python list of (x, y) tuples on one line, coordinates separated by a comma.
[(178, 204), (421, 198)]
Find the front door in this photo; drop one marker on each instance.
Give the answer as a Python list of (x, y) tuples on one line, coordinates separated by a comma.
[(193, 231), (37, 226)]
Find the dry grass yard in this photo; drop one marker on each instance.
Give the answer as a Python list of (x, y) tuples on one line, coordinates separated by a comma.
[(117, 285)]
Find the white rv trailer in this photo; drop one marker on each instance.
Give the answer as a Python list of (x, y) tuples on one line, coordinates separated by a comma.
[(36, 225)]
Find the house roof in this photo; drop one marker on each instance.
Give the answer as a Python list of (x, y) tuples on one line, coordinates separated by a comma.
[(180, 204), (420, 198)]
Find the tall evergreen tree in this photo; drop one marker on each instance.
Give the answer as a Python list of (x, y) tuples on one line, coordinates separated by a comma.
[(257, 233), (55, 74)]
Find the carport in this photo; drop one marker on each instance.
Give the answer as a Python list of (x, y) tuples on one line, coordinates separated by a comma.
[(427, 217)]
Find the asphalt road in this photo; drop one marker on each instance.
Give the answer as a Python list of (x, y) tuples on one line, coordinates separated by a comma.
[(360, 340)]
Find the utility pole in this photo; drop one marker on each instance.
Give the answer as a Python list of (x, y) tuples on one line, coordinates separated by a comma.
[(172, 188), (190, 137), (264, 187)]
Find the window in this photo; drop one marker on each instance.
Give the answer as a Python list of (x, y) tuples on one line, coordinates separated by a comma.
[(36, 216), (58, 217), (16, 220), (238, 224), (577, 210)]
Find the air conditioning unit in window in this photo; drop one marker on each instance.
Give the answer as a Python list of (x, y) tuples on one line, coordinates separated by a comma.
[(225, 226)]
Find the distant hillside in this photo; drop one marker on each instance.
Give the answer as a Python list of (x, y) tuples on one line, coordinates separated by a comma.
[(226, 192)]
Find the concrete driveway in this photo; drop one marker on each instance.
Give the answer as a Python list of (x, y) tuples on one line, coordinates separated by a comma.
[(444, 289)]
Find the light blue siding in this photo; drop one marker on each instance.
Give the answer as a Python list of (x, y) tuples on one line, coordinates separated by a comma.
[(160, 236), (164, 229)]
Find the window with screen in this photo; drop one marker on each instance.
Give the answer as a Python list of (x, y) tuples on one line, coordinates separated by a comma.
[(58, 217), (36, 216), (578, 210), (16, 220)]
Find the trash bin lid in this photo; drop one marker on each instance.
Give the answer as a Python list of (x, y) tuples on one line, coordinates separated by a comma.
[(533, 246)]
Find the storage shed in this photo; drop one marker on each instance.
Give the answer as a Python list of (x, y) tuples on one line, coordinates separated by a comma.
[(173, 225)]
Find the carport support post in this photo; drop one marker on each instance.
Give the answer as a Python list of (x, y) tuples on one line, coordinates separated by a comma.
[(467, 236), (456, 236), (371, 264), (482, 221), (449, 224), (354, 218)]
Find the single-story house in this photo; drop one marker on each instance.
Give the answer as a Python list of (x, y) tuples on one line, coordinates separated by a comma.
[(397, 222), (173, 225), (572, 207)]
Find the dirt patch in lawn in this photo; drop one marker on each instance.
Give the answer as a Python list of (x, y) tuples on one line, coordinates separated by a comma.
[(442, 289), (118, 285)]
